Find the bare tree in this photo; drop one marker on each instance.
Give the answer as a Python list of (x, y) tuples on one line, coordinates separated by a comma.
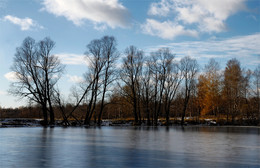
[(146, 89), (96, 64), (189, 68), (160, 67), (130, 75), (52, 70), (37, 73), (110, 55), (173, 80), (256, 76), (101, 56)]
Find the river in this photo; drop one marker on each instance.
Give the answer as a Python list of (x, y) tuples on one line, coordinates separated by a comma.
[(130, 147)]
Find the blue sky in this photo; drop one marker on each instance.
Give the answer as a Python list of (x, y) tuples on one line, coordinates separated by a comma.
[(202, 29)]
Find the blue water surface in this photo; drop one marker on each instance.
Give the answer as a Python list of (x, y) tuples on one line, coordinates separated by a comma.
[(130, 147)]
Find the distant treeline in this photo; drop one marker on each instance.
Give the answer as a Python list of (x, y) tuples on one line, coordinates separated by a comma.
[(144, 87)]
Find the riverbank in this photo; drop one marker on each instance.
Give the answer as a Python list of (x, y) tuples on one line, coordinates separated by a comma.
[(25, 122)]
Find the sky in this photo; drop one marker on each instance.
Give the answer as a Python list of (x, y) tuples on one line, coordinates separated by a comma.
[(201, 29)]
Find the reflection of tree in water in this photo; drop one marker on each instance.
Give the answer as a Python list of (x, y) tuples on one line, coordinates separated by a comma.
[(43, 157)]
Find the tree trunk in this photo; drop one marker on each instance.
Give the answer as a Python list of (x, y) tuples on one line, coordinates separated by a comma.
[(167, 112), (167, 119), (52, 117), (102, 107), (184, 110), (103, 98), (228, 114), (45, 115), (135, 106), (100, 116), (183, 114), (139, 113), (148, 116), (91, 105)]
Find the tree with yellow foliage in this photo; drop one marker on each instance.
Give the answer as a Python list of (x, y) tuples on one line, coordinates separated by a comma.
[(209, 89)]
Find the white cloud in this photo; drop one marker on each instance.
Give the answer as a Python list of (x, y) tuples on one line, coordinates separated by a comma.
[(25, 24), (210, 24), (11, 76), (75, 78), (160, 8), (166, 30), (244, 48), (72, 59), (109, 12), (221, 9), (205, 15)]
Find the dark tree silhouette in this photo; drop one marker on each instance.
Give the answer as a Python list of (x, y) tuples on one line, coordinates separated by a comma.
[(146, 89), (189, 68), (37, 73), (161, 65), (173, 80), (130, 74), (96, 64), (110, 55), (256, 76)]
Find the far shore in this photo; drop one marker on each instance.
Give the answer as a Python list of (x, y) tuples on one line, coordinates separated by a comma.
[(31, 122)]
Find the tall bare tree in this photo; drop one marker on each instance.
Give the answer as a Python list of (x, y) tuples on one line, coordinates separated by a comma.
[(96, 64), (256, 76), (189, 68), (110, 55), (101, 55), (173, 80), (161, 66), (146, 89), (37, 73), (130, 75)]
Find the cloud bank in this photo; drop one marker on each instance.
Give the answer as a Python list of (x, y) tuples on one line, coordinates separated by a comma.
[(245, 48), (166, 29), (101, 12), (201, 16)]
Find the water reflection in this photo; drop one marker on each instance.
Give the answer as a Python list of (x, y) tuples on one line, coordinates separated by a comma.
[(130, 147)]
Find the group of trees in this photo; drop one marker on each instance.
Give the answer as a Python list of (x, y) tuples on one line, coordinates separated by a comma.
[(151, 83), (149, 86), (234, 92)]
